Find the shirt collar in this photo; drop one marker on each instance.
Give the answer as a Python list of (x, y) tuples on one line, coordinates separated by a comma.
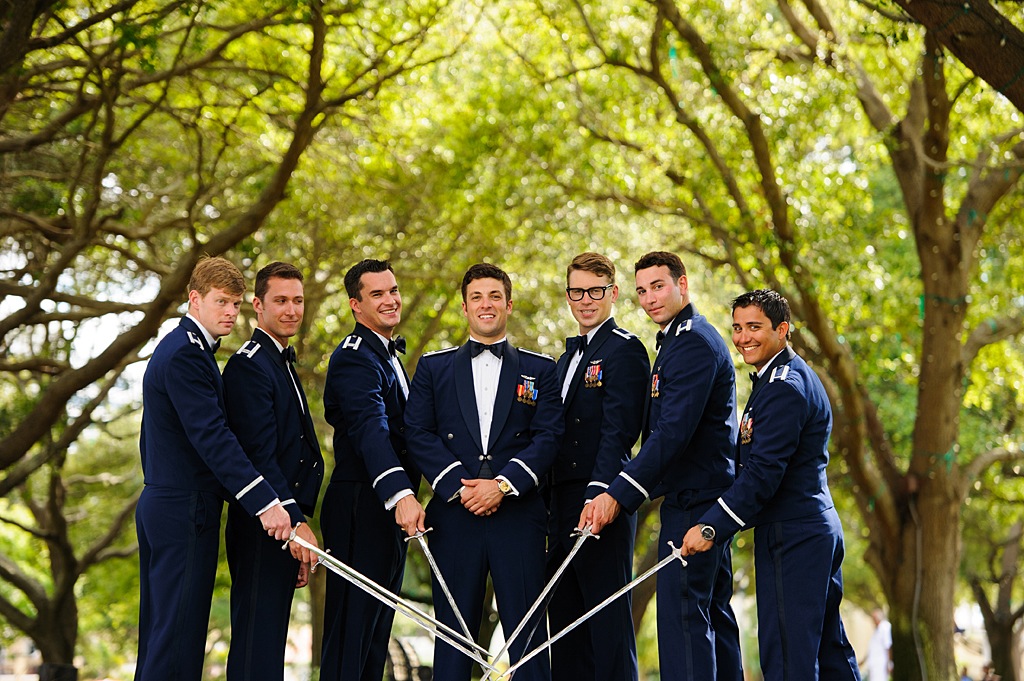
[(760, 372), (210, 340), (275, 341)]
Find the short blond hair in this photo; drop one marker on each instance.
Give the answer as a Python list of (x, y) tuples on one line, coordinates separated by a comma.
[(219, 273), (595, 263)]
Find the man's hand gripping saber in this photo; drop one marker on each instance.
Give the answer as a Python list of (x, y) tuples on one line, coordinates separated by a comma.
[(465, 645), (581, 536), (674, 555)]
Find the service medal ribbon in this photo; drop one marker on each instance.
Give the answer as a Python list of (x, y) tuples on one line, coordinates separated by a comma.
[(746, 429), (655, 385)]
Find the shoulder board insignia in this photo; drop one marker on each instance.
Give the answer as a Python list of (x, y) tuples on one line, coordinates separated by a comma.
[(685, 326), (195, 340), (352, 342), (619, 331), (249, 349), (441, 351), (536, 354), (779, 374)]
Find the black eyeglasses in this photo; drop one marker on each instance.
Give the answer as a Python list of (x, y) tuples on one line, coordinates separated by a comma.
[(595, 292)]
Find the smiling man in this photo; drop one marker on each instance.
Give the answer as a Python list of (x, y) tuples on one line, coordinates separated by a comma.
[(370, 505), (603, 377), (268, 412), (192, 463), (687, 457), (484, 422), (782, 491)]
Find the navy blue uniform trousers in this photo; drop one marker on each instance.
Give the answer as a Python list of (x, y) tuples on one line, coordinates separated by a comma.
[(509, 545), (599, 569), (682, 589), (364, 536), (179, 539), (794, 578)]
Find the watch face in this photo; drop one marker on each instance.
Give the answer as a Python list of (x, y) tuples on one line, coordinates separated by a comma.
[(708, 533), (504, 487)]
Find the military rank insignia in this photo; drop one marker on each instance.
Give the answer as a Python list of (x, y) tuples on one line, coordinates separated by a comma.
[(746, 429), (655, 386), (526, 391), (592, 376)]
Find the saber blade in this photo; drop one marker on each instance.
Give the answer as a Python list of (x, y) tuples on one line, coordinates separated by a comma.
[(442, 631), (674, 555), (582, 536)]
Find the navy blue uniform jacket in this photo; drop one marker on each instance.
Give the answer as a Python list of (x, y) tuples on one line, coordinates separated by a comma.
[(186, 443), (363, 400), (691, 417), (782, 451), (263, 410), (603, 408), (444, 428)]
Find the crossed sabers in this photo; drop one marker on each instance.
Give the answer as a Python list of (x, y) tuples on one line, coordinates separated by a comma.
[(464, 641)]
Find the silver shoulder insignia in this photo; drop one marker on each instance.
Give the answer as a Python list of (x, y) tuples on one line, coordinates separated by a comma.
[(351, 342), (441, 351), (536, 354), (779, 374), (249, 349), (619, 331)]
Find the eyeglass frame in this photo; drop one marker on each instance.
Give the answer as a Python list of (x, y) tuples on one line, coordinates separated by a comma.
[(588, 291)]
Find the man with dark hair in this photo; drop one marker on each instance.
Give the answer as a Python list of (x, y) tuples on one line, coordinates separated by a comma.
[(782, 492), (484, 422), (269, 414), (603, 377), (687, 457), (192, 463), (370, 504)]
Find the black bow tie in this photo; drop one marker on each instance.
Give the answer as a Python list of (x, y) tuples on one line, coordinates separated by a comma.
[(753, 377), (658, 339), (396, 344), (216, 346), (497, 349), (288, 354), (576, 344)]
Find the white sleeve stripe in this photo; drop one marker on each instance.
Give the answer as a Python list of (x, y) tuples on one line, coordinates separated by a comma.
[(729, 511), (635, 484), (248, 488), (443, 473), (527, 469), (385, 474), (595, 483), (287, 501)]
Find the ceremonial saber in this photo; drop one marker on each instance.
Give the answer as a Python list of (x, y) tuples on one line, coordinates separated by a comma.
[(583, 535), (441, 630), (675, 554), (440, 579)]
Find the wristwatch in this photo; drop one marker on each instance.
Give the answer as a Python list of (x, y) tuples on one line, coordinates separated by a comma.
[(504, 486), (707, 532)]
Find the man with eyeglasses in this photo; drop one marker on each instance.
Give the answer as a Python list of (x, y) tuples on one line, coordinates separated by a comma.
[(603, 378), (687, 457)]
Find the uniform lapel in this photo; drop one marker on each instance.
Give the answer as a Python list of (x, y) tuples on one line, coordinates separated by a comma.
[(465, 395), (378, 348), (592, 348), (783, 358), (506, 388)]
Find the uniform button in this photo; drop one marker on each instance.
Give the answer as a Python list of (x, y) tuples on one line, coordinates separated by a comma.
[(573, 465), (489, 457), (302, 437), (296, 485), (481, 457), (576, 420), (451, 436), (302, 461), (575, 443), (401, 429), (404, 452)]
